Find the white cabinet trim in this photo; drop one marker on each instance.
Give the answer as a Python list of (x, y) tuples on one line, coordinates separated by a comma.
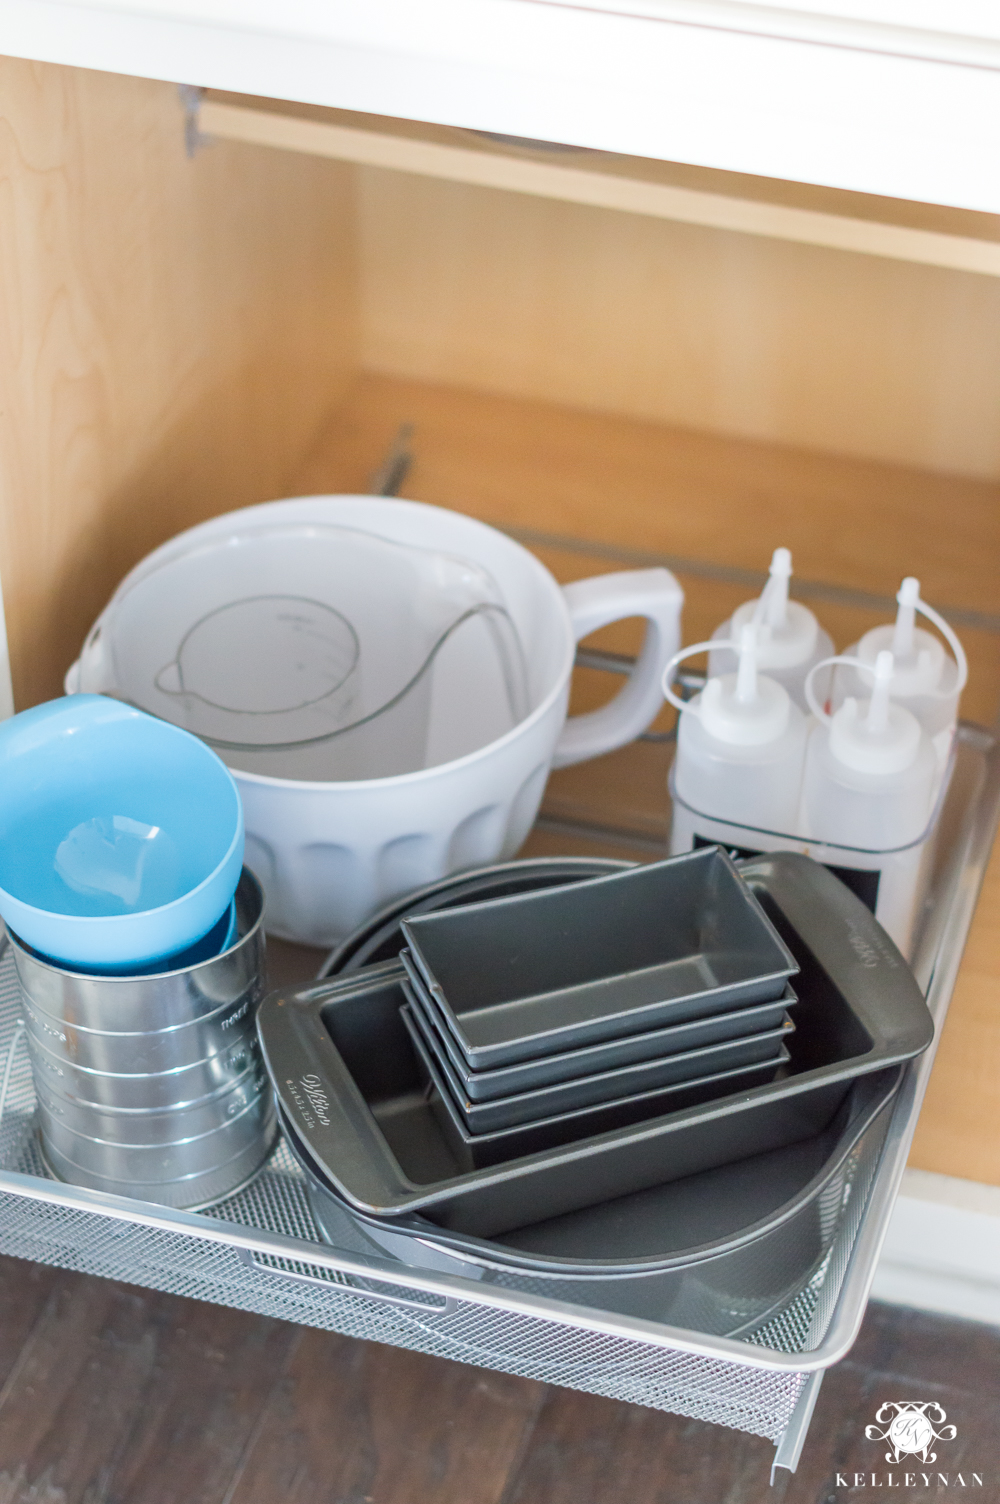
[(921, 127)]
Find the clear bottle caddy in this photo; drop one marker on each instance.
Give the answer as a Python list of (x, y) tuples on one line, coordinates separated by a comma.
[(261, 1251), (892, 881), (886, 754)]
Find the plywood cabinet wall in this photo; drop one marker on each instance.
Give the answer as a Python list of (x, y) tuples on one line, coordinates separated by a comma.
[(171, 334), (679, 324), (180, 336)]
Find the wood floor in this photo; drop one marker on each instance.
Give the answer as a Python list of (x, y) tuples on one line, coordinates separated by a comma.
[(110, 1394)]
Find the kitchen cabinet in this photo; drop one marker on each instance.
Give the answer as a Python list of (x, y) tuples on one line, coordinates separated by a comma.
[(782, 329)]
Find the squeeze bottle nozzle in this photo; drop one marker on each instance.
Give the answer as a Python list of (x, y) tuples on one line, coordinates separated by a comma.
[(920, 665), (789, 638), (746, 708), (902, 637), (878, 738), (878, 708), (746, 673), (924, 679), (775, 595)]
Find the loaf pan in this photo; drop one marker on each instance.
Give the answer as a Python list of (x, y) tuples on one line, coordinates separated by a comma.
[(575, 1103), (345, 1074), (718, 1251), (480, 1142), (609, 1055), (517, 978), (381, 939)]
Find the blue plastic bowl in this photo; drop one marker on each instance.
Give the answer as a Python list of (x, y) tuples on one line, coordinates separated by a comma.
[(121, 836), (219, 938)]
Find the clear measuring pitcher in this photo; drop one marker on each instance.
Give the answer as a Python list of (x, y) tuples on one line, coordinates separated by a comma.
[(321, 652)]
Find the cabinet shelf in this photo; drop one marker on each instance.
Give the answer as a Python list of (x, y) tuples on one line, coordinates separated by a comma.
[(723, 201)]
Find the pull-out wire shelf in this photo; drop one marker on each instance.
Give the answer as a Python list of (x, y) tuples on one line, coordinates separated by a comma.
[(261, 1250)]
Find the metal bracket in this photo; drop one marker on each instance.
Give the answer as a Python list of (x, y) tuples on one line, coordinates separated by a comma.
[(390, 475), (18, 1034), (330, 1278), (191, 97), (690, 681), (793, 1437)]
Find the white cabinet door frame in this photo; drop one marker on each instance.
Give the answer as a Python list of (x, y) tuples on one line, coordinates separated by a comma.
[(879, 97)]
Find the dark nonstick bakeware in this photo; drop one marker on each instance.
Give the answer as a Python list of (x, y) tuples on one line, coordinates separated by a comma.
[(494, 1142), (546, 972), (547, 1105), (381, 939), (610, 1054), (718, 1251), (347, 1078)]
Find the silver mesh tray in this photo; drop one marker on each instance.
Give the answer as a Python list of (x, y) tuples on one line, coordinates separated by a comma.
[(260, 1251)]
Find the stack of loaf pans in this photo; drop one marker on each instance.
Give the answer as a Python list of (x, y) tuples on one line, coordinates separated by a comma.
[(356, 1095), (381, 939), (554, 1015)]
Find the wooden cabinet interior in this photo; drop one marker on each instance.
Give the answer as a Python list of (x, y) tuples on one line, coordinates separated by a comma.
[(802, 212), (183, 336), (171, 335)]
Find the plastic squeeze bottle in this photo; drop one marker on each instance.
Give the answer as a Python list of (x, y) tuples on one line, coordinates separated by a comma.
[(870, 774), (791, 640), (740, 753), (924, 679)]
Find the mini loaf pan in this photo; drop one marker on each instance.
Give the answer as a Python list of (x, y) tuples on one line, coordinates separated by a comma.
[(494, 1143), (347, 1077), (550, 1104), (545, 972), (380, 938), (609, 1055)]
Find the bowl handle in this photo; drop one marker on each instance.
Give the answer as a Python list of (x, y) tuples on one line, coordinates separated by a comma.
[(654, 594)]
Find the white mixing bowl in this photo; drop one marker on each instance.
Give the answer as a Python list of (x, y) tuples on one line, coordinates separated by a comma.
[(330, 853)]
